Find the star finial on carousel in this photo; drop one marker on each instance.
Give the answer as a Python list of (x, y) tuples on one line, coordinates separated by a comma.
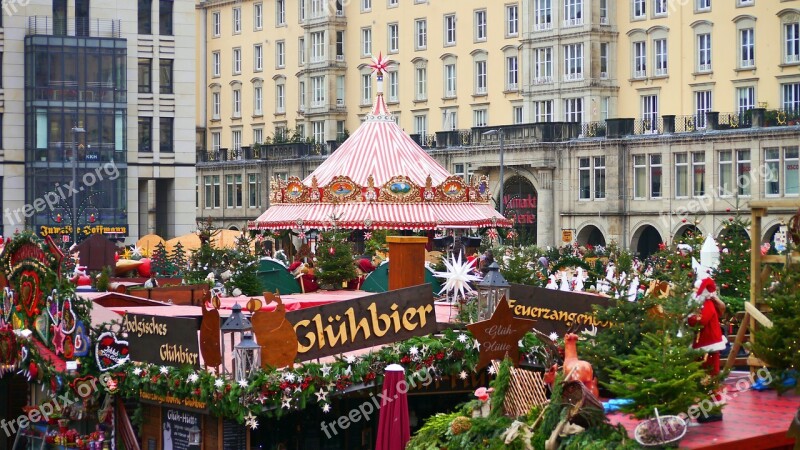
[(380, 65)]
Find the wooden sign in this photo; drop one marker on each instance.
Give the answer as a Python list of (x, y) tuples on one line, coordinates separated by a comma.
[(499, 336), (165, 341), (556, 311), (191, 404), (176, 426), (363, 322), (234, 435)]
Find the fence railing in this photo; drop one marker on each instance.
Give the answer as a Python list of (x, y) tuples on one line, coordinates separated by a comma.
[(74, 26)]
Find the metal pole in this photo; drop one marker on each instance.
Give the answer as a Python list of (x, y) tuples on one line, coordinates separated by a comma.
[(502, 173), (75, 197)]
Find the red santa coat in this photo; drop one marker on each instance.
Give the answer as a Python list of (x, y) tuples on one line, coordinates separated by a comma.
[(709, 337)]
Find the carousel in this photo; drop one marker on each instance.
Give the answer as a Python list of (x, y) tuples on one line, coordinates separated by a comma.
[(380, 179)]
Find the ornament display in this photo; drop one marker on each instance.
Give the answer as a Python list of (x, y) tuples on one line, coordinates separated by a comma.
[(110, 352)]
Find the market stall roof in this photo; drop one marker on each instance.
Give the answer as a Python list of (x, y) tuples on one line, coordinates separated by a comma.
[(379, 178)]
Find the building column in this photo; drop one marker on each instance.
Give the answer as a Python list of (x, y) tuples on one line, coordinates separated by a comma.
[(545, 210)]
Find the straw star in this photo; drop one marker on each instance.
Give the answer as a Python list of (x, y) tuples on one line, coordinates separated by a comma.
[(326, 408), (193, 378), (219, 383), (462, 375), (553, 336), (243, 384), (137, 371), (380, 65), (326, 370), (457, 277), (286, 403), (462, 338), (321, 394), (499, 335), (164, 370)]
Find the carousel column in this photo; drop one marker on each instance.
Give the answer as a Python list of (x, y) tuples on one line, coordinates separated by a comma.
[(546, 214)]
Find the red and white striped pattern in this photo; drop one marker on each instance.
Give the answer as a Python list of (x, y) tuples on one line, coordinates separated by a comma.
[(379, 147), (394, 216)]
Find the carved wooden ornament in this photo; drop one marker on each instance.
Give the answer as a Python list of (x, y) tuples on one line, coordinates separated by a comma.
[(500, 335), (274, 334)]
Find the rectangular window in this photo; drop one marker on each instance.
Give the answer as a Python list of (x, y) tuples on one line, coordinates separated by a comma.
[(317, 46), (698, 174), (479, 116), (518, 114), (543, 68), (258, 136), (449, 119), (605, 103), (237, 20), (791, 170), (258, 15), (301, 88), (280, 12), (458, 170), (233, 187), (280, 98), (743, 175), (217, 196), (421, 126), (543, 15), (512, 71), (639, 176), (450, 29), (573, 110), (393, 3), (237, 61), (145, 134), (366, 5), (216, 24), (318, 130), (340, 46), (216, 66), (573, 13), (656, 172), (394, 86), (166, 134), (745, 99), (366, 89), (599, 177), (480, 25), (253, 190), (480, 78), (703, 5), (301, 51), (236, 141), (650, 114), (215, 106), (726, 186), (208, 193), (573, 62), (660, 52), (301, 15), (421, 31), (512, 20), (584, 179), (145, 75), (792, 42), (366, 42), (421, 81), (216, 141), (790, 97), (747, 51), (280, 54), (603, 12), (639, 11), (258, 58), (165, 76), (318, 91), (394, 38), (543, 111), (145, 17), (237, 103), (165, 17), (604, 60), (660, 7), (704, 52), (258, 100), (681, 175), (639, 59), (339, 90), (702, 105), (450, 80), (772, 175)]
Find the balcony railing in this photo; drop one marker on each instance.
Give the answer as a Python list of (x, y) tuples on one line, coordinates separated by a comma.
[(573, 22), (74, 26), (544, 26)]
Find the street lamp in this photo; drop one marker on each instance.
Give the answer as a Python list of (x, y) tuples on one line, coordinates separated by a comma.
[(235, 324), (502, 171), (491, 290), (75, 132)]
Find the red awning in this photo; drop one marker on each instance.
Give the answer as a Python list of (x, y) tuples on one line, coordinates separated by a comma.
[(392, 216), (58, 364)]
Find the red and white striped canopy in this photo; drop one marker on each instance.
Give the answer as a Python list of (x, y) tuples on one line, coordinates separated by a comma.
[(389, 216), (379, 147)]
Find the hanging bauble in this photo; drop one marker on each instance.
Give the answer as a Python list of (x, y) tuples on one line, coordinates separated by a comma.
[(33, 369), (332, 251)]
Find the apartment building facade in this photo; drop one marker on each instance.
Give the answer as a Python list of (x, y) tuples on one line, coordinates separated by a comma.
[(72, 99)]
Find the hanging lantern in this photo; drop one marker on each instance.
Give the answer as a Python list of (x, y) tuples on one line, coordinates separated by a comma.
[(235, 324), (194, 436), (246, 357), (491, 290)]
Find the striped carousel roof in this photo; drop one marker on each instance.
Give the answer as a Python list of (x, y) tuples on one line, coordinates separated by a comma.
[(379, 147)]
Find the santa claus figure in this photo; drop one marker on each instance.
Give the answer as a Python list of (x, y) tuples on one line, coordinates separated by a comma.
[(709, 337)]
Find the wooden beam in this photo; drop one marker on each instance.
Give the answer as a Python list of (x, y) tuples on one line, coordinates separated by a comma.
[(737, 343), (775, 203), (757, 315)]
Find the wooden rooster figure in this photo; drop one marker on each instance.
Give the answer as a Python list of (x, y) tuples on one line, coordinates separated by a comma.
[(577, 369), (274, 334)]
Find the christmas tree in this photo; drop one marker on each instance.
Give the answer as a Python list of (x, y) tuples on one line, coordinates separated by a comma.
[(779, 346), (244, 266), (160, 262), (335, 259), (663, 373), (179, 260), (514, 267), (733, 274)]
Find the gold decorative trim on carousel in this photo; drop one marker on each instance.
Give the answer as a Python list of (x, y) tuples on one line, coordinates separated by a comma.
[(400, 189), (295, 191), (452, 189), (341, 189), (481, 188)]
